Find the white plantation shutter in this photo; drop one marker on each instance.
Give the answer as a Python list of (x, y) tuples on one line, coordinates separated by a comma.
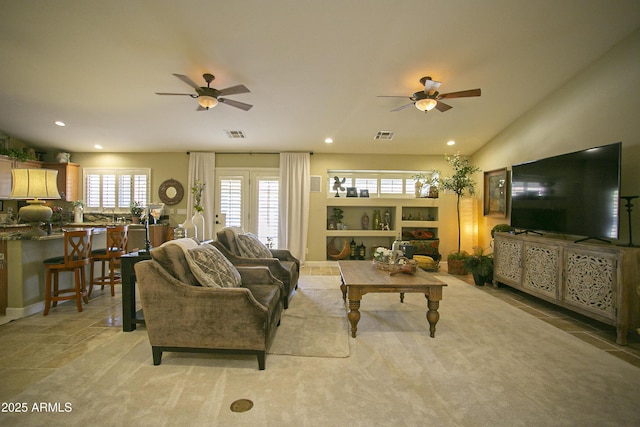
[(231, 200), (268, 210), (115, 188), (391, 186), (249, 199)]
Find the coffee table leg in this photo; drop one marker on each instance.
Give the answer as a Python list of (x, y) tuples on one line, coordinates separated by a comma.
[(432, 315), (354, 316)]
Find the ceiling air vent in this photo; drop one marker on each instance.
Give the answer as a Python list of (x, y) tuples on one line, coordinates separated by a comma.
[(384, 135), (235, 134)]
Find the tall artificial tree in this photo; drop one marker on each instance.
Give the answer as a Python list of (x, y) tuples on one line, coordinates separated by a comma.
[(460, 182)]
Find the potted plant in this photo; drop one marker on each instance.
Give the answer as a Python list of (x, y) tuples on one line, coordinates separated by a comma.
[(337, 217), (136, 210), (426, 179), (455, 262), (501, 228), (460, 182), (480, 265)]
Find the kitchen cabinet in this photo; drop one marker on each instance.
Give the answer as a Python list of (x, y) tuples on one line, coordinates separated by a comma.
[(68, 179)]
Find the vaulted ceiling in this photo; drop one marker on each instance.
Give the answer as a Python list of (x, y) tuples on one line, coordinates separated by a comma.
[(314, 69)]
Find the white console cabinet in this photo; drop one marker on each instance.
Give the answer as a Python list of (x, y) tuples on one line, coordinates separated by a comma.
[(596, 280)]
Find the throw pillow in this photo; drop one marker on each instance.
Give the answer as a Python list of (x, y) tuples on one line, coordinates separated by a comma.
[(251, 247), (211, 268), (171, 255)]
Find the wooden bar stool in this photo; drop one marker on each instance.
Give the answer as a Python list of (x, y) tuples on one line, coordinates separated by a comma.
[(77, 254), (110, 256)]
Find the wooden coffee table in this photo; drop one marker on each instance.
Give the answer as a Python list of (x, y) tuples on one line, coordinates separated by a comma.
[(360, 278)]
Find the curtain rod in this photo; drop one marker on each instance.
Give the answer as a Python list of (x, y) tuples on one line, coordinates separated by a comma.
[(254, 152)]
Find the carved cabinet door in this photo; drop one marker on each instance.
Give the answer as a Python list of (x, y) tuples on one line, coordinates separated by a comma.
[(590, 281), (542, 270)]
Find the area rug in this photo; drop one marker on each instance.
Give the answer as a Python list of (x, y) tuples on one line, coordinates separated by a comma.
[(314, 325)]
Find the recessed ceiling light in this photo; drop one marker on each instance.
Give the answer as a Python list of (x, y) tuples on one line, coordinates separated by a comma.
[(329, 140), (98, 147), (452, 142), (59, 123)]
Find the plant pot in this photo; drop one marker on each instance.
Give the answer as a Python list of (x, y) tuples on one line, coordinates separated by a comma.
[(135, 219), (456, 266)]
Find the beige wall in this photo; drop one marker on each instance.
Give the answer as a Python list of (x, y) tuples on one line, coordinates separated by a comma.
[(598, 106)]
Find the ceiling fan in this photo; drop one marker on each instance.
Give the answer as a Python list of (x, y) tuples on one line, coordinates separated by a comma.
[(429, 98), (209, 97)]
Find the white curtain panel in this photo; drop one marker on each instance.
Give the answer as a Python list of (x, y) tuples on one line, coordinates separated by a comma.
[(294, 202), (202, 167)]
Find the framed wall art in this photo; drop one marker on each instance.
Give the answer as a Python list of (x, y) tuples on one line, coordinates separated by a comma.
[(496, 193)]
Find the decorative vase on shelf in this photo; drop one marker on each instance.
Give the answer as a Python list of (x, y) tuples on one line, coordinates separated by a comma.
[(189, 228), (365, 221), (198, 221), (376, 219)]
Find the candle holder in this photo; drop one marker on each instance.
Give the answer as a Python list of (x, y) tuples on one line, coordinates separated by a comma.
[(629, 207)]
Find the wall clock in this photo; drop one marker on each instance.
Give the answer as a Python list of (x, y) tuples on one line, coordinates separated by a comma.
[(171, 192)]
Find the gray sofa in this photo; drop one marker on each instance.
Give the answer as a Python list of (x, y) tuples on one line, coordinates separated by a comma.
[(182, 315), (282, 264)]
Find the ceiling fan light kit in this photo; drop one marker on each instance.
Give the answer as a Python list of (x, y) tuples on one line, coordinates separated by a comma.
[(426, 104), (207, 102)]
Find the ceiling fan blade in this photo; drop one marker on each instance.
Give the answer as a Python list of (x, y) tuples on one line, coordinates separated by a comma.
[(167, 93), (461, 94), (187, 80), (237, 104), (234, 90), (442, 107), (402, 107)]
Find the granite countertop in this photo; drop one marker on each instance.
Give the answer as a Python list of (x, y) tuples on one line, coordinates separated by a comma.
[(20, 235)]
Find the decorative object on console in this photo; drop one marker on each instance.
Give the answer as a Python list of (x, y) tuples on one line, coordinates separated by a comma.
[(352, 192), (629, 207), (35, 185), (198, 222), (364, 193), (198, 219)]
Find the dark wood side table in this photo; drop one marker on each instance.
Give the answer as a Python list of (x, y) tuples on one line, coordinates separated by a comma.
[(129, 315)]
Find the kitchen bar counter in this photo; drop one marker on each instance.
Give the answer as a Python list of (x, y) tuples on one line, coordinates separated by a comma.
[(22, 272)]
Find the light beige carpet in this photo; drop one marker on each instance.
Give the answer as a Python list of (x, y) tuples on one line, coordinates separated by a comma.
[(490, 364)]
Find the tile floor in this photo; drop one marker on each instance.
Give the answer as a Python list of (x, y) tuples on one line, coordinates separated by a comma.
[(34, 347)]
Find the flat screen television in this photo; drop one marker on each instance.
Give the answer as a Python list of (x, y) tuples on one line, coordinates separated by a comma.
[(576, 193)]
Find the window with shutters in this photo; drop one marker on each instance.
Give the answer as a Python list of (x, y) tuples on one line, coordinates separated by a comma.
[(115, 188), (388, 184), (249, 199)]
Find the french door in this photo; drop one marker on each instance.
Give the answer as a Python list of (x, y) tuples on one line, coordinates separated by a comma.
[(249, 199)]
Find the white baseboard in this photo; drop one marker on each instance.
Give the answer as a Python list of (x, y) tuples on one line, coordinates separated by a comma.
[(14, 313)]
